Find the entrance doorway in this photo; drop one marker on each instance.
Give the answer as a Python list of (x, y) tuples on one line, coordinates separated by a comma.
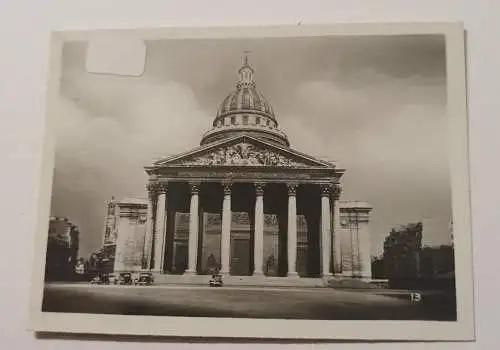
[(181, 252), (240, 257)]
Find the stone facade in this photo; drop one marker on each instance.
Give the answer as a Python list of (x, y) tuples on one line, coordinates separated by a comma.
[(355, 238), (125, 228), (110, 233)]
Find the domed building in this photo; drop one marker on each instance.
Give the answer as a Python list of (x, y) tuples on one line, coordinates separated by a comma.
[(245, 203), (246, 110)]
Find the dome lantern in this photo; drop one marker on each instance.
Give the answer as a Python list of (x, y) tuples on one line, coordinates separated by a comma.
[(246, 75), (247, 111)]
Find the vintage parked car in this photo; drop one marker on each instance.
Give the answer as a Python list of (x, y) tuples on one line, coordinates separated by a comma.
[(144, 279), (96, 280), (216, 281), (125, 279), (113, 279), (104, 279)]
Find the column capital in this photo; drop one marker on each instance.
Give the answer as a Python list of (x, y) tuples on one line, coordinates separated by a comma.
[(292, 188), (155, 187), (326, 189), (194, 187), (336, 190), (259, 188), (152, 188), (163, 187), (226, 186)]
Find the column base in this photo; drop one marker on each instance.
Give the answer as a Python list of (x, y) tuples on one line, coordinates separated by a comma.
[(190, 272), (326, 275), (292, 275), (258, 274)]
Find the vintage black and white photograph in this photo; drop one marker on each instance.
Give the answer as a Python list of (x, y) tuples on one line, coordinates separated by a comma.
[(266, 177)]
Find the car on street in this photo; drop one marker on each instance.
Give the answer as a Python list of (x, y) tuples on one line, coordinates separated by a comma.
[(125, 278), (216, 281), (103, 279), (144, 279)]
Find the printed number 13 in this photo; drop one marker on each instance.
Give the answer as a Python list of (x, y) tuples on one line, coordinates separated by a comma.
[(415, 297)]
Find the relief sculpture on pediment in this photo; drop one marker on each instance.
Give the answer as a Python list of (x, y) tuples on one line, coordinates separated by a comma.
[(243, 154)]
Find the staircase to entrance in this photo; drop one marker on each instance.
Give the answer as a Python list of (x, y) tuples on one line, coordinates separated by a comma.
[(229, 280)]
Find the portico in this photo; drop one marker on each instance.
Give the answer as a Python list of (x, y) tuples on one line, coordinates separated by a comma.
[(256, 196)]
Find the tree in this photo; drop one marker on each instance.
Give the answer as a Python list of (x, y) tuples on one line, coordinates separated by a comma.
[(437, 261), (402, 251), (378, 268)]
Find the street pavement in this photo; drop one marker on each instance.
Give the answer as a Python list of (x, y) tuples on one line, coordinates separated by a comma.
[(249, 302)]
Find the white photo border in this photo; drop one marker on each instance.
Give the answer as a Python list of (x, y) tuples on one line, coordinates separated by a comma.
[(461, 330)]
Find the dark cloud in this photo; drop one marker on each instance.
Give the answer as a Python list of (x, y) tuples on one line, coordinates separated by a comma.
[(376, 105)]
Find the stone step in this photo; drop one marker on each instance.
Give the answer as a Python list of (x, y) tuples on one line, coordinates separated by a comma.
[(229, 280)]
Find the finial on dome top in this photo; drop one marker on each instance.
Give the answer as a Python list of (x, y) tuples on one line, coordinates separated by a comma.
[(246, 73), (246, 56)]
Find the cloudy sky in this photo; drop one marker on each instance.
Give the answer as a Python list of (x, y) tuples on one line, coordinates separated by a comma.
[(374, 105)]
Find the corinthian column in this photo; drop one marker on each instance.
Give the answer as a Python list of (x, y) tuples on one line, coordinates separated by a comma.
[(292, 230), (259, 230), (148, 240), (325, 230), (193, 228), (337, 254), (161, 220), (225, 238)]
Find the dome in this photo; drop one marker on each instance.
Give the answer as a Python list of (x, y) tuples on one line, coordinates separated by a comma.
[(246, 100), (245, 110)]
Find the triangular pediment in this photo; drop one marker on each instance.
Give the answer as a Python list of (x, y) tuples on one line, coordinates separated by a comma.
[(244, 151)]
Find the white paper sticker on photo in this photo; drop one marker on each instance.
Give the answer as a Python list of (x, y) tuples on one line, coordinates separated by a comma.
[(116, 56)]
